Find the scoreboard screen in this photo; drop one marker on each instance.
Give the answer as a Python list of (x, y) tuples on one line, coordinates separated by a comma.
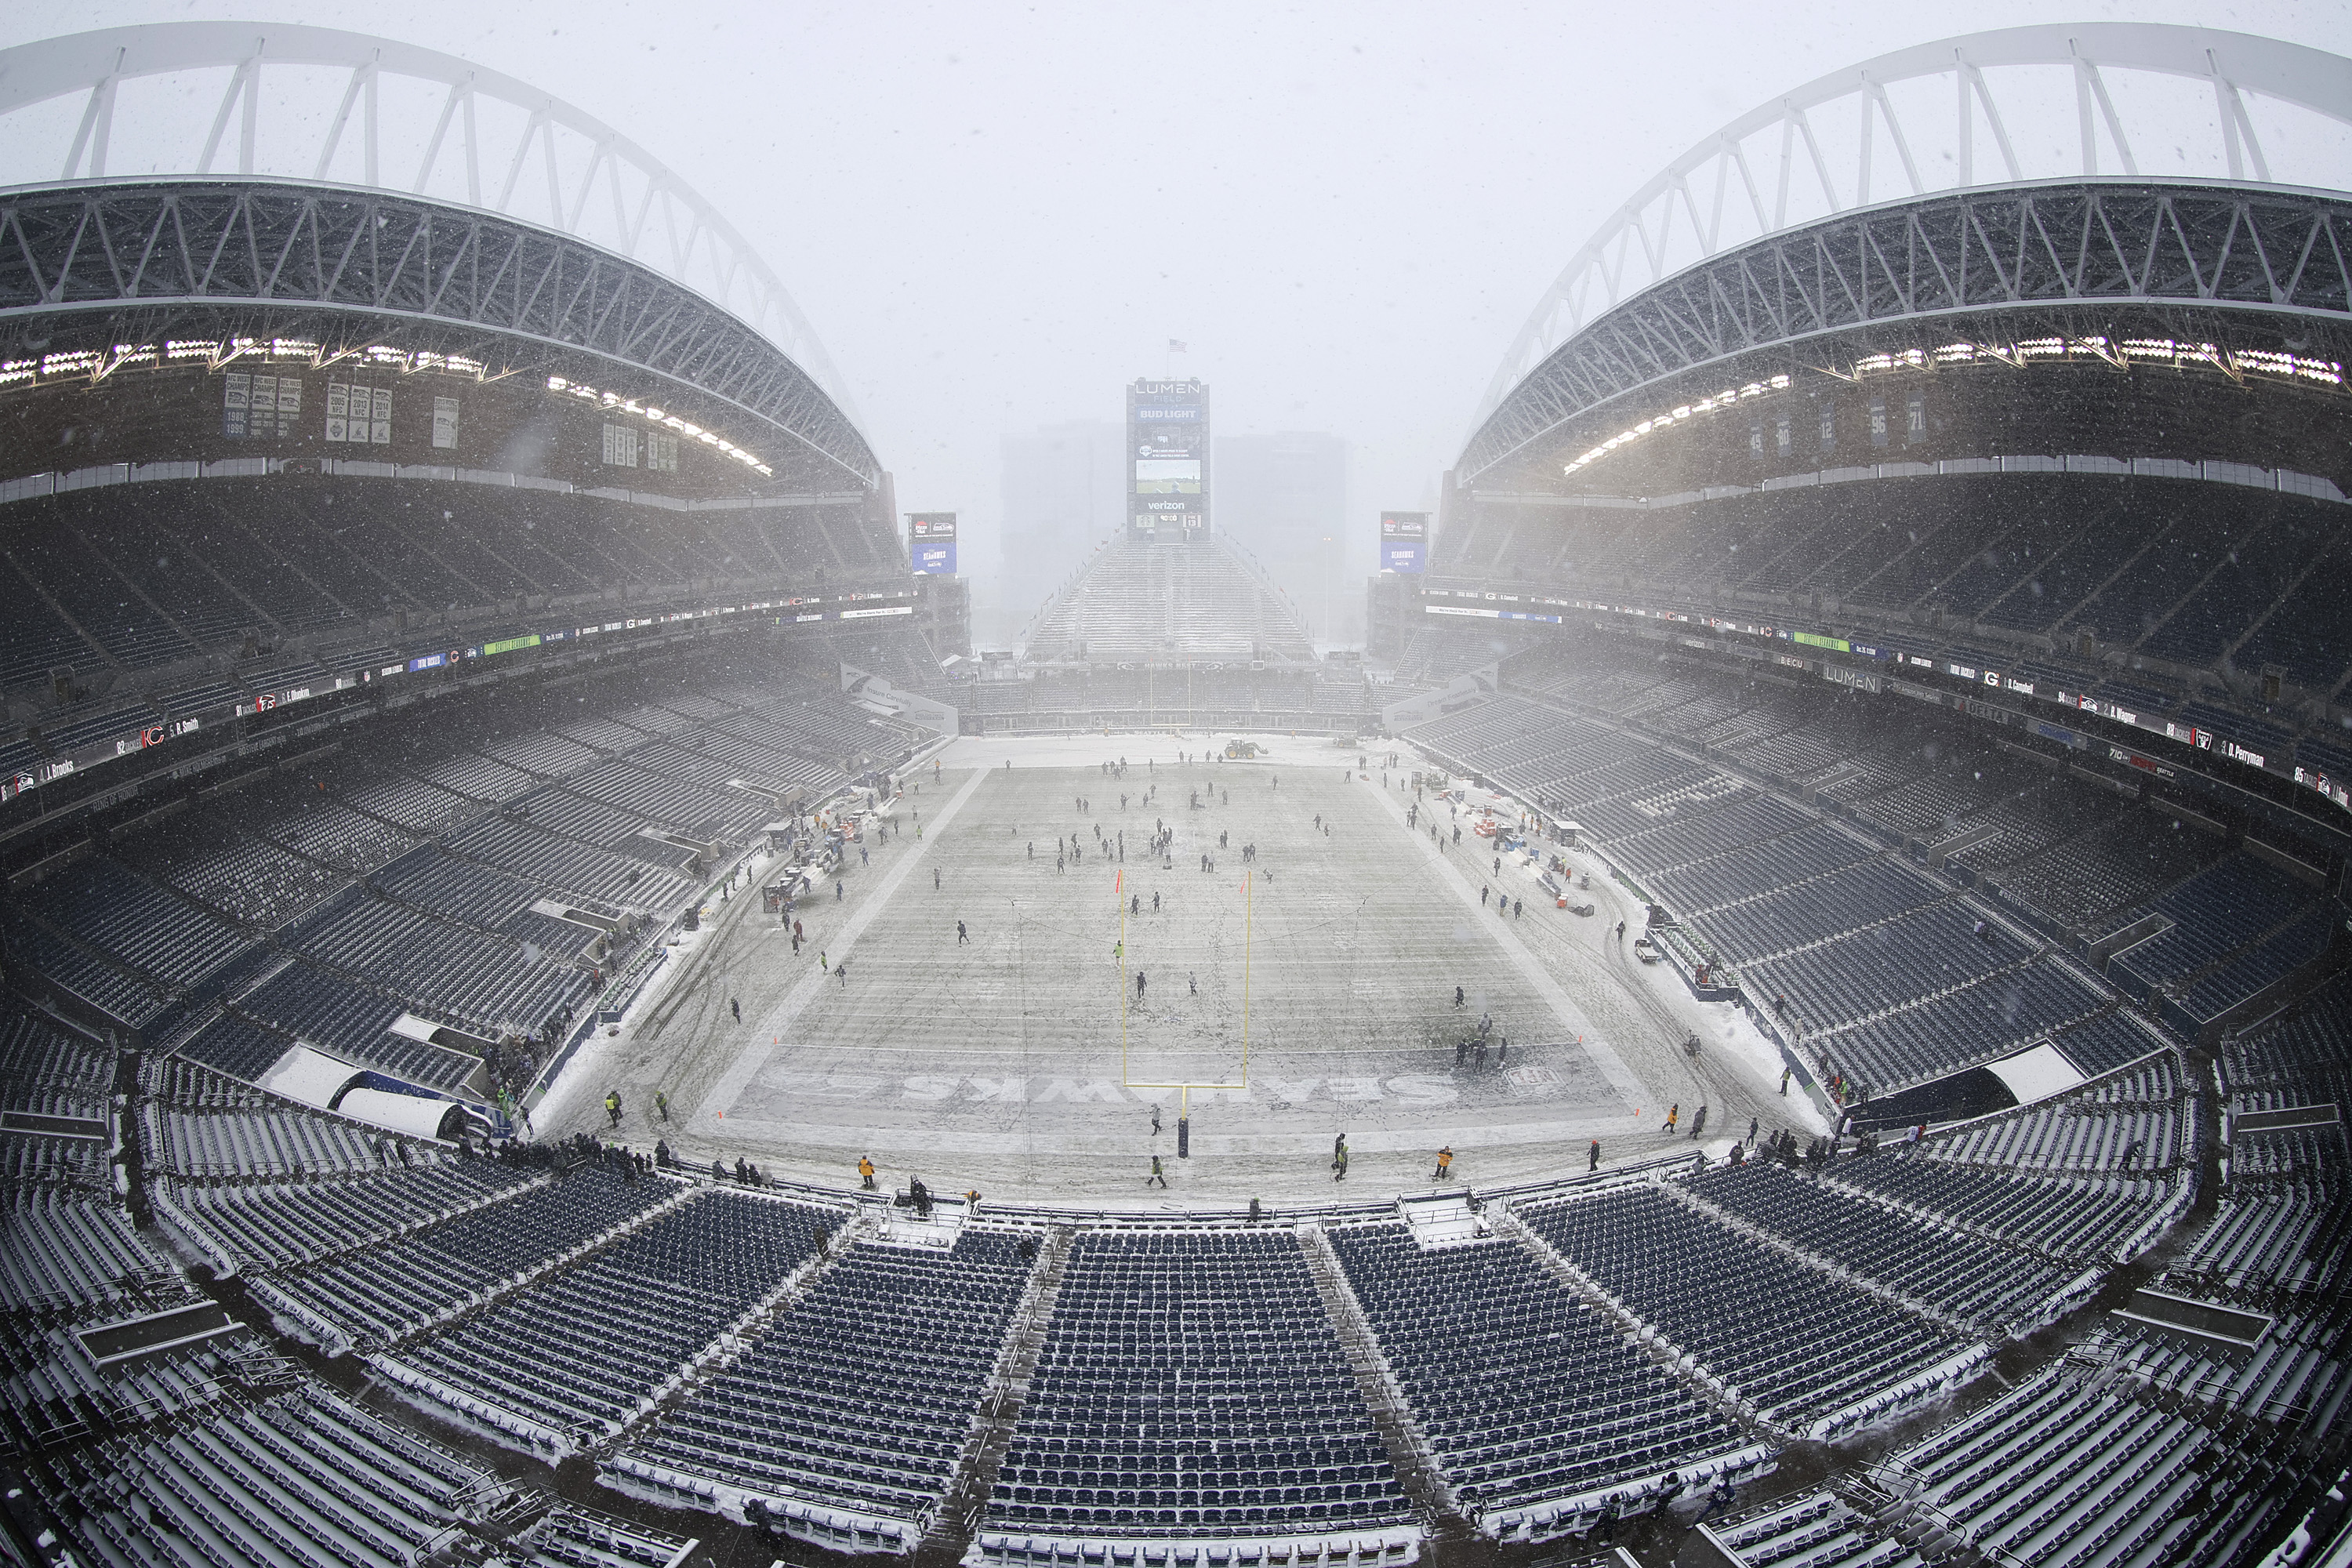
[(1404, 541), (1167, 458), (931, 542)]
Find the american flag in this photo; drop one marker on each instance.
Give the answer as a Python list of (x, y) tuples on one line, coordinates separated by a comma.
[(1176, 346)]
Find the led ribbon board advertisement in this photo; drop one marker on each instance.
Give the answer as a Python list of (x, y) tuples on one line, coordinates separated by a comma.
[(1404, 541), (931, 542), (1168, 457)]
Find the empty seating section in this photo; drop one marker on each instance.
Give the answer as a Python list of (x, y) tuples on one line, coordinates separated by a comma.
[(566, 866), (1137, 600), (1524, 1391), (1797, 1345), (1816, 1530), (2230, 905), (2113, 867), (1879, 969), (583, 1352), (2297, 1375), (133, 920), (2135, 1120), (860, 1395), (561, 810), (39, 1058), (1981, 1021), (390, 1291), (1870, 972), (305, 1479), (1843, 901), (240, 1047), (62, 964), (459, 890), (335, 834), (412, 805), (265, 1227), (2245, 974), (2073, 1219), (1189, 1384), (127, 929), (206, 856), (477, 777), (67, 1253), (2297, 1060), (1988, 1286), (433, 964), (1729, 824), (542, 754), (684, 807), (2106, 1041), (568, 1536), (337, 1015), (1816, 851), (2281, 1235), (205, 1134), (2070, 1470)]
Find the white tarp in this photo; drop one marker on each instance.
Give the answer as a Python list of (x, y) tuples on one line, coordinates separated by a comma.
[(312, 1077), (2036, 1074), (409, 1113)]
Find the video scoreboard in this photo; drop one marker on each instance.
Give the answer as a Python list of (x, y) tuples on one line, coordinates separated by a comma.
[(1404, 541), (931, 542), (1167, 458)]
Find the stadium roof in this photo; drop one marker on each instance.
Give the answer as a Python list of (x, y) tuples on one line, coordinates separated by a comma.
[(1792, 202), (495, 187)]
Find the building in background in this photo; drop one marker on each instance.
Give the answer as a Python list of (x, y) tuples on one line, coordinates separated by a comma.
[(1285, 497), (1064, 490)]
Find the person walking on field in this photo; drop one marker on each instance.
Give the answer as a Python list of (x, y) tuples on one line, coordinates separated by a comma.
[(1338, 1149), (1342, 1163), (1594, 1163), (735, 1005), (1445, 1163), (612, 1106), (1457, 998), (1674, 1115), (865, 1172), (1698, 1123), (960, 937), (1158, 1175), (661, 1103), (1155, 1118)]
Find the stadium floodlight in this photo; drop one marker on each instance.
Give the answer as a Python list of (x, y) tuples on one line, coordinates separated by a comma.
[(1953, 116), (479, 139)]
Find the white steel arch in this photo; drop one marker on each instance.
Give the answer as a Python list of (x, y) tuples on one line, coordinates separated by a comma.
[(564, 168), (1711, 198)]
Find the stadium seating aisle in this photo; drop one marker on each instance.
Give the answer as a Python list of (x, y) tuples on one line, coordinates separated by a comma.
[(1527, 1394), (855, 1405), (1191, 1387)]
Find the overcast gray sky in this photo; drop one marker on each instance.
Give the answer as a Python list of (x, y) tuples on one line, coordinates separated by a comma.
[(997, 213)]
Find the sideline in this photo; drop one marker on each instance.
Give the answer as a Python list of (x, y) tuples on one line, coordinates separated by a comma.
[(1532, 969), (779, 1020)]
